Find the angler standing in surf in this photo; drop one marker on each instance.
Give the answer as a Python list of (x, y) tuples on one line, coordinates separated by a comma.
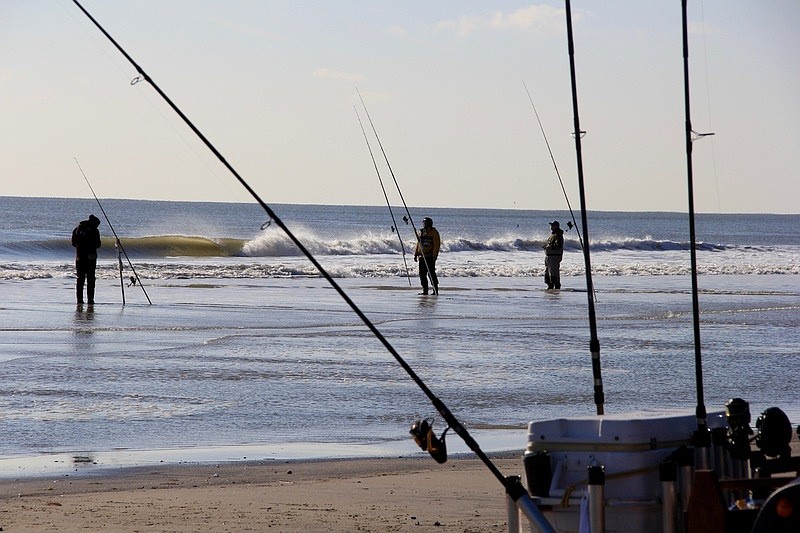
[(553, 250), (86, 240), (428, 249)]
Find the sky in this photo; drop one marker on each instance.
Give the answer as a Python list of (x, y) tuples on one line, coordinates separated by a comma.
[(273, 85)]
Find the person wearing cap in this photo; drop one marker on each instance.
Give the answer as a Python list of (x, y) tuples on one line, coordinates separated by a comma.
[(553, 251), (86, 240), (428, 249)]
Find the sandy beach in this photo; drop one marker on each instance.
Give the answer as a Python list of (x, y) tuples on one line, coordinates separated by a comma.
[(337, 495), (394, 494)]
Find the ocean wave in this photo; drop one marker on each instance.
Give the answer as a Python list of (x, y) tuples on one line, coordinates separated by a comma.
[(157, 246), (183, 246), (375, 267), (648, 244), (277, 244)]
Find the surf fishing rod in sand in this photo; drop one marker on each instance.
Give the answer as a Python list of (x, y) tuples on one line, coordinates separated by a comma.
[(408, 219), (388, 203), (702, 436), (117, 244), (594, 342), (422, 431)]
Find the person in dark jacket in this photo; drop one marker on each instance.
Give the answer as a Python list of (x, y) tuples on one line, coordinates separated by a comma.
[(553, 250), (86, 240), (426, 253)]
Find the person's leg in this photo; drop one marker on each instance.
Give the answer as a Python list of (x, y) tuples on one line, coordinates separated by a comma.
[(423, 275), (551, 272), (80, 272), (91, 265), (434, 278), (556, 277)]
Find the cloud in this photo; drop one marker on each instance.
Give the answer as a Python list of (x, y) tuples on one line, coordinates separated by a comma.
[(539, 18), (336, 75), (244, 29), (397, 31), (462, 26), (531, 17)]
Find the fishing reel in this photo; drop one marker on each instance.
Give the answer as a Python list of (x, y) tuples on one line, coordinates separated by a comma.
[(422, 433), (774, 455), (737, 413), (570, 225), (774, 433)]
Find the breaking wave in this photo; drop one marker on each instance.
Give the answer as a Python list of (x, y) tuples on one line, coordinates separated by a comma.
[(277, 244), (151, 246), (270, 254)]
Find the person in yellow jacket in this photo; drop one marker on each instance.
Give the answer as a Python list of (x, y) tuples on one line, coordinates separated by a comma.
[(428, 249)]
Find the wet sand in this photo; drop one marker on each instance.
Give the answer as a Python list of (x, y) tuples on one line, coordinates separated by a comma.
[(395, 494), (337, 495)]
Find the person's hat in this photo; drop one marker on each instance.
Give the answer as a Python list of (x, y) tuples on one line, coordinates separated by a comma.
[(554, 223), (427, 220), (94, 220)]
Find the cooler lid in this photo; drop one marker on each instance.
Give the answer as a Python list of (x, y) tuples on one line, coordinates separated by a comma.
[(648, 428)]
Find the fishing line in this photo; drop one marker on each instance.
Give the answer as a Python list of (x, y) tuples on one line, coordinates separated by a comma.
[(553, 159), (708, 105), (574, 223), (512, 484), (117, 243), (388, 203), (408, 218)]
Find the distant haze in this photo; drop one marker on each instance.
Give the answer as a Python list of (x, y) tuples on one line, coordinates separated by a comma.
[(273, 85)]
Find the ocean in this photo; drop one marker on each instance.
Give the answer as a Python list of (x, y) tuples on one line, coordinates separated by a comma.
[(246, 352)]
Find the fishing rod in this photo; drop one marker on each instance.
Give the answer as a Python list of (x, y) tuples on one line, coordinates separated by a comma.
[(574, 223), (702, 435), (116, 240), (388, 204), (555, 166), (594, 342), (408, 218), (512, 484), (117, 244)]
